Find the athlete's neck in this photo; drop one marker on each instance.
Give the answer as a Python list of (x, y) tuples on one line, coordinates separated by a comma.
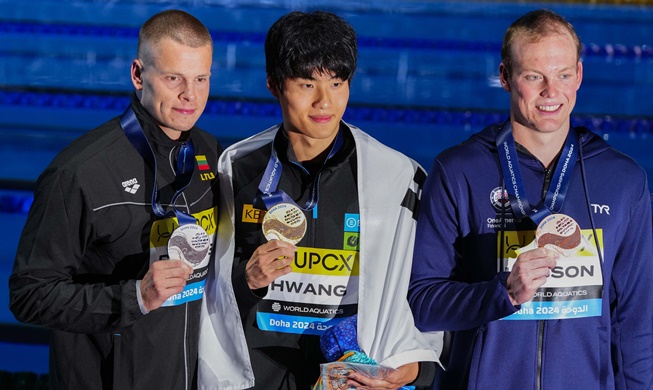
[(309, 149), (544, 146)]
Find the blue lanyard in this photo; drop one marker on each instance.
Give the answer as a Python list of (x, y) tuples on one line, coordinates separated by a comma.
[(555, 195), (183, 173), (268, 187)]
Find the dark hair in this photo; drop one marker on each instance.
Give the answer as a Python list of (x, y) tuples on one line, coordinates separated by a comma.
[(536, 25), (298, 44), (177, 25)]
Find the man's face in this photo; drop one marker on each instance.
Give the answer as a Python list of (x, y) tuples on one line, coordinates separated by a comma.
[(313, 108), (173, 84), (545, 78)]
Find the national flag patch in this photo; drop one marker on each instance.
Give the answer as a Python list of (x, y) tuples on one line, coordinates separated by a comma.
[(202, 164)]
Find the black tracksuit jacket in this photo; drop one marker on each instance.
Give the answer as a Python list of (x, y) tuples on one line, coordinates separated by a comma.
[(89, 236)]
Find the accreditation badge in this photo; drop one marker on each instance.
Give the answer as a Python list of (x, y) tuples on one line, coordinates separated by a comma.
[(190, 243), (284, 221), (321, 290), (574, 286)]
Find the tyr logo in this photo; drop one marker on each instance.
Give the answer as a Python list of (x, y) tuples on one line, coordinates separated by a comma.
[(600, 208)]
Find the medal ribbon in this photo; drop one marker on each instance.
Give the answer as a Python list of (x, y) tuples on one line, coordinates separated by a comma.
[(271, 195), (555, 195), (183, 172)]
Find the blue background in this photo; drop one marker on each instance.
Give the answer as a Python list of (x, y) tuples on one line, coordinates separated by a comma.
[(427, 79)]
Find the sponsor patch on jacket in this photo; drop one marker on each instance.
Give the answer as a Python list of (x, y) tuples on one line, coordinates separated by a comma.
[(499, 199), (252, 215), (351, 240), (352, 222)]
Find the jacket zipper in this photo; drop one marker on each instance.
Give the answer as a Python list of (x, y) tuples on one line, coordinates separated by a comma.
[(171, 159), (540, 326), (117, 355), (540, 353), (186, 362)]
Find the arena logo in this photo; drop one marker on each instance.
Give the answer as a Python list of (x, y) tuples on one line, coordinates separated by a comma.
[(500, 199), (131, 185)]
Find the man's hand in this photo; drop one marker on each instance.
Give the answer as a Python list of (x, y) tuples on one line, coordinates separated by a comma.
[(529, 273), (394, 380), (268, 262), (164, 279)]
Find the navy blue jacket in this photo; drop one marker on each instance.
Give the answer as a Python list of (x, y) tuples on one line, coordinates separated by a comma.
[(455, 285)]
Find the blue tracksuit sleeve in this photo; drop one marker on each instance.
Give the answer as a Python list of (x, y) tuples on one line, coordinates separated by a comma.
[(632, 305), (441, 293)]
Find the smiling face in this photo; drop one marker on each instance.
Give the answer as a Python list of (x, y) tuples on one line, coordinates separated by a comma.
[(312, 110), (172, 83), (543, 82)]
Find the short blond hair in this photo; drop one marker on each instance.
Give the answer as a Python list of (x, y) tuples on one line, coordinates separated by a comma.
[(177, 25), (536, 25)]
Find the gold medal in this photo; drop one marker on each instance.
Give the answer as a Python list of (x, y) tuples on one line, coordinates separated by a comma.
[(286, 222)]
